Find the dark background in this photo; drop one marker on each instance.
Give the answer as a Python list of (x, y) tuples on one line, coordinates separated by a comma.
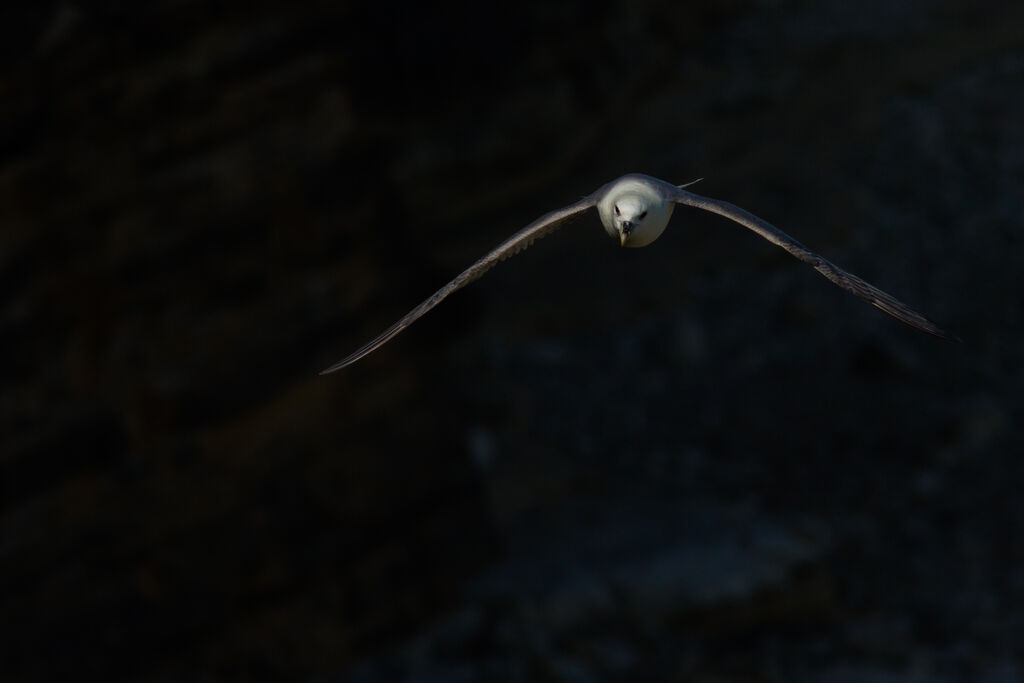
[(697, 462)]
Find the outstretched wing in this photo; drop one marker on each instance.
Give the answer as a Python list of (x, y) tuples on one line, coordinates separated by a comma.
[(541, 227), (847, 281)]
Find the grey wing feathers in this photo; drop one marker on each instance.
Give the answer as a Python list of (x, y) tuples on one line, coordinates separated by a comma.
[(541, 227), (844, 279)]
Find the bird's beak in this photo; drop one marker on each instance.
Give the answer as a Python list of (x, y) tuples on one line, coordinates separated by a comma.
[(624, 230)]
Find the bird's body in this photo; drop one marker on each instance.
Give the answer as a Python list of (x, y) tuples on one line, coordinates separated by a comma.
[(635, 209)]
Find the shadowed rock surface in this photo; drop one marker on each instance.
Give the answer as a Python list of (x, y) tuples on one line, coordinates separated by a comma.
[(696, 461)]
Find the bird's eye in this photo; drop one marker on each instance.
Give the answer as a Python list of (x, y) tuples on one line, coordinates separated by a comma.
[(643, 214), (617, 212)]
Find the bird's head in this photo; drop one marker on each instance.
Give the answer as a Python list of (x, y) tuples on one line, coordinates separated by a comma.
[(630, 212), (634, 213)]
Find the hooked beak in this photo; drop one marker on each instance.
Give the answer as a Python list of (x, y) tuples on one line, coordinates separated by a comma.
[(627, 227)]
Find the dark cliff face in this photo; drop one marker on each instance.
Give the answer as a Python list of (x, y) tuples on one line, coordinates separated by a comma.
[(699, 457)]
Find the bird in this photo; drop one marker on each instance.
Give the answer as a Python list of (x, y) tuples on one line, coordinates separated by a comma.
[(635, 209)]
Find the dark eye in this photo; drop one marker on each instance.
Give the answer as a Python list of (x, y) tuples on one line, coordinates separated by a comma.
[(617, 210), (643, 214)]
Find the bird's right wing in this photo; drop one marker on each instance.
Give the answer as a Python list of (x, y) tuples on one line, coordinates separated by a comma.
[(541, 227)]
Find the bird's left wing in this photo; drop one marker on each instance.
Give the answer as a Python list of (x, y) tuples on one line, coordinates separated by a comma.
[(541, 227), (844, 279)]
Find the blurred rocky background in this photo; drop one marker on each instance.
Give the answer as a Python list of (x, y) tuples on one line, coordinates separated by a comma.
[(694, 462)]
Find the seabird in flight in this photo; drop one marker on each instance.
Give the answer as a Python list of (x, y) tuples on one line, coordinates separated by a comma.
[(635, 210)]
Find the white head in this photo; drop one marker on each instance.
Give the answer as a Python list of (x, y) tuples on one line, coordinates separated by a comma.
[(634, 212)]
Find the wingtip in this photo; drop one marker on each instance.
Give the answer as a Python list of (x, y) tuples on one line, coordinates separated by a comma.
[(333, 368), (950, 337), (936, 331)]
